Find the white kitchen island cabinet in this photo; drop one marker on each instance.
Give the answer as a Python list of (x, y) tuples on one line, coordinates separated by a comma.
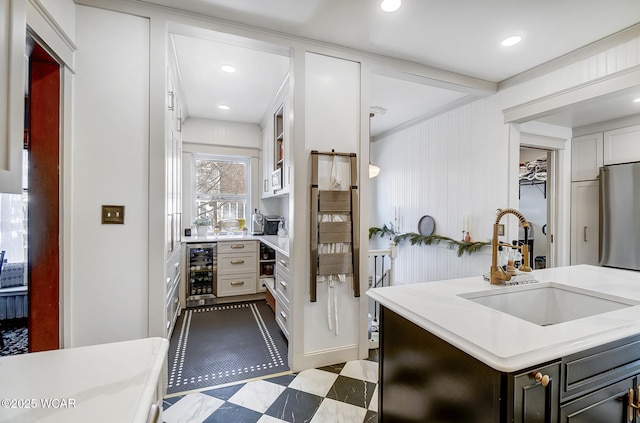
[(117, 382), (447, 358)]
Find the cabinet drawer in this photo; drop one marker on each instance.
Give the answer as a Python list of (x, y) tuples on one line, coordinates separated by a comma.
[(283, 287), (241, 284), (237, 263), (282, 262), (606, 404), (173, 266), (283, 317), (592, 369), (173, 307), (237, 246)]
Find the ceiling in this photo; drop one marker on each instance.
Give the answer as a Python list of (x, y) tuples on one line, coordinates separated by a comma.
[(458, 36)]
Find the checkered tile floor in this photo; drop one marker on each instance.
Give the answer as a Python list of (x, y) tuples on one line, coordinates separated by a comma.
[(345, 393)]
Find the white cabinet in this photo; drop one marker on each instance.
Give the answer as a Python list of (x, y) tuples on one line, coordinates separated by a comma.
[(173, 290), (622, 145), (267, 162), (173, 163), (237, 268), (586, 157), (585, 222), (173, 187), (276, 148), (12, 73), (283, 293)]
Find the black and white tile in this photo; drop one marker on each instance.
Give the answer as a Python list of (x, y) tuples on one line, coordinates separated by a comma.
[(345, 393)]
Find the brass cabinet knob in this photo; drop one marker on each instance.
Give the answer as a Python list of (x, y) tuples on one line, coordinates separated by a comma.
[(543, 379)]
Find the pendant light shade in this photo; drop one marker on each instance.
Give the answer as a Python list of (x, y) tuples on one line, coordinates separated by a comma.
[(373, 170)]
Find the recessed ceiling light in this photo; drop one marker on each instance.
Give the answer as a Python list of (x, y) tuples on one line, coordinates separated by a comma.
[(511, 41), (637, 100), (223, 107), (390, 5), (228, 68)]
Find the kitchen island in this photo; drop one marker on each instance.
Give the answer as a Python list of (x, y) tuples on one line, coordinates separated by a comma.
[(115, 382), (447, 357)]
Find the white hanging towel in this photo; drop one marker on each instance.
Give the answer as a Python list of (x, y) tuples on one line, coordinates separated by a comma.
[(334, 180)]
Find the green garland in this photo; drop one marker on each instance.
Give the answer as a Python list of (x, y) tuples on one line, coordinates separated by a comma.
[(417, 239)]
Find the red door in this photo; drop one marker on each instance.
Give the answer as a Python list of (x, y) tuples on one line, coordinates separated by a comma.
[(44, 205)]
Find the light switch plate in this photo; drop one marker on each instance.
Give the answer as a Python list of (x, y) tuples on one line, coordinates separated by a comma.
[(112, 214)]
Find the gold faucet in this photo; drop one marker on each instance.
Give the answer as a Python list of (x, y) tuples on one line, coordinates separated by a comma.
[(497, 274)]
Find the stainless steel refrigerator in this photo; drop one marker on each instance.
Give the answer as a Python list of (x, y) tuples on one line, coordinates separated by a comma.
[(620, 216)]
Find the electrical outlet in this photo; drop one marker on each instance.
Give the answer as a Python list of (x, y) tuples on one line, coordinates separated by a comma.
[(501, 230), (112, 214)]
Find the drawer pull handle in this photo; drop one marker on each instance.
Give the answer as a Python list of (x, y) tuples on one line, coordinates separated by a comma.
[(168, 281), (177, 264), (284, 263), (239, 261), (542, 379), (237, 246), (237, 283), (284, 284), (176, 301), (631, 406), (284, 315), (584, 234)]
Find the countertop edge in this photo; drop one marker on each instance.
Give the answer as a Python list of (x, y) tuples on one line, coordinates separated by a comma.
[(155, 373), (279, 244)]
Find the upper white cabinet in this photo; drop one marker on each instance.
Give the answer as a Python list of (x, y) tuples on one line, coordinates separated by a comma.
[(13, 24), (276, 136), (586, 157), (622, 145), (267, 162)]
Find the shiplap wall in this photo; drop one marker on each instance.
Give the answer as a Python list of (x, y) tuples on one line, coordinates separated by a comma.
[(457, 164), (445, 167)]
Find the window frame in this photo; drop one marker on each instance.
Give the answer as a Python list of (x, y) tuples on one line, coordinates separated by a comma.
[(246, 160)]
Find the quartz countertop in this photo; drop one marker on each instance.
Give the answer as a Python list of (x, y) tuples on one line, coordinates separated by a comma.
[(280, 244), (507, 343), (115, 382)]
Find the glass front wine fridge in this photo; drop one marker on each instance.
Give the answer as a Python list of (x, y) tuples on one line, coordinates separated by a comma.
[(202, 269)]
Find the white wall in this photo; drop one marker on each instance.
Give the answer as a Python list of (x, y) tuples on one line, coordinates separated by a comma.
[(332, 121), (110, 165), (222, 133)]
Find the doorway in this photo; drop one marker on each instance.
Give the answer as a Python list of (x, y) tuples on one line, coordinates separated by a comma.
[(29, 222), (535, 174)]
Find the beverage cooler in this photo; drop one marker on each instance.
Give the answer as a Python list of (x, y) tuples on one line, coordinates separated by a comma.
[(202, 270)]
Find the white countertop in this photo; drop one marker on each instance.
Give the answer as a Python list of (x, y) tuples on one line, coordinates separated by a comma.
[(108, 383), (280, 244), (507, 343)]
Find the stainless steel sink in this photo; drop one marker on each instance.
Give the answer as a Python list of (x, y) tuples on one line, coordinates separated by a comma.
[(548, 303)]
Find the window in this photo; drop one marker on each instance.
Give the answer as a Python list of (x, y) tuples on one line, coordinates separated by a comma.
[(13, 220), (220, 186)]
